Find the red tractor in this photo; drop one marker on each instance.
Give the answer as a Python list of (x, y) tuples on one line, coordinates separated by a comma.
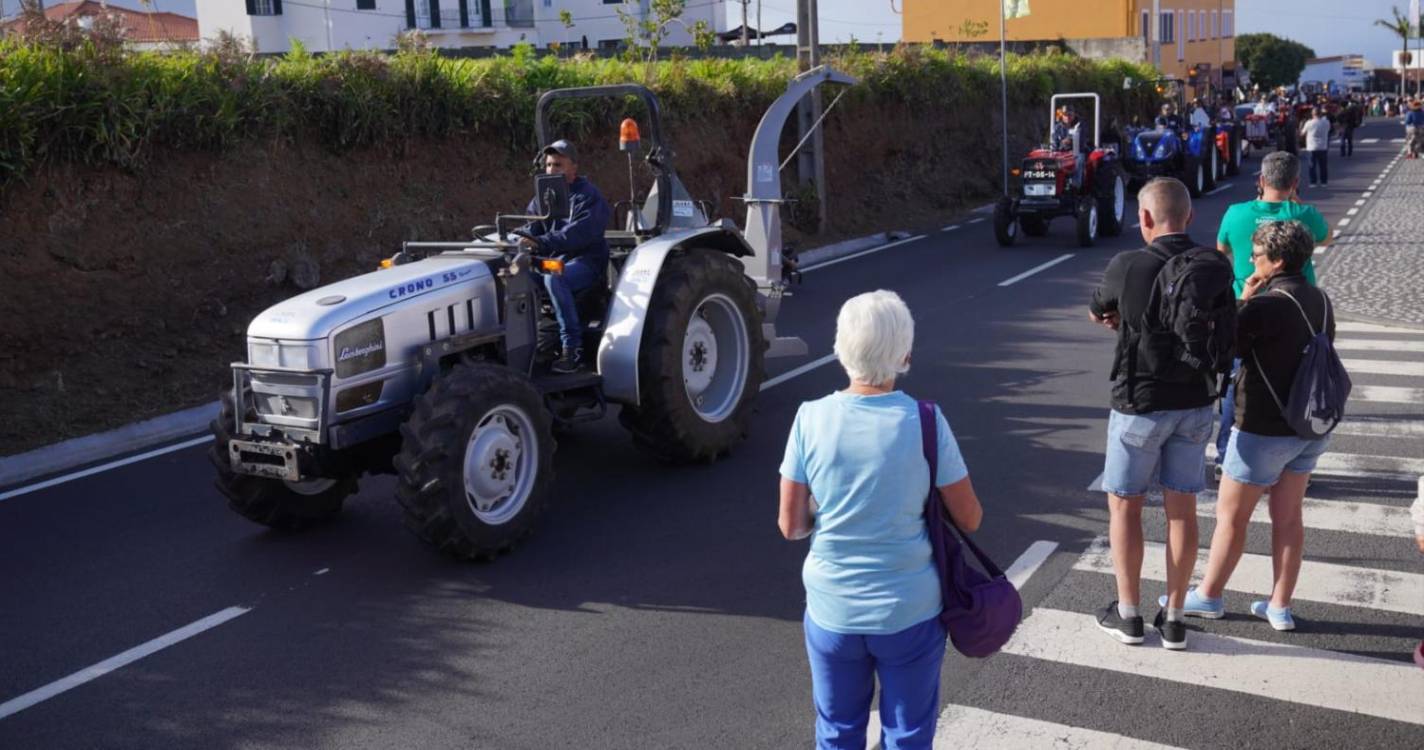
[(1066, 177)]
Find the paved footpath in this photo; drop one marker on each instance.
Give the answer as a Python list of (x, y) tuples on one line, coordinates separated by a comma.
[(1374, 271)]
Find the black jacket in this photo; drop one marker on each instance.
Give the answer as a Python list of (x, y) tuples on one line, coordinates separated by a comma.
[(1126, 288), (580, 234), (1271, 329)]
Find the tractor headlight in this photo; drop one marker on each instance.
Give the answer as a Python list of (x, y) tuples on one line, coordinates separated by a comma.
[(283, 355), (1161, 150), (360, 348)]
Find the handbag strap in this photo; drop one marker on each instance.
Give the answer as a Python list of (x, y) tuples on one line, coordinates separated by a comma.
[(934, 505)]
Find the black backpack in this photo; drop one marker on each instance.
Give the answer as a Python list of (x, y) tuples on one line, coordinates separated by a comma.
[(1188, 330)]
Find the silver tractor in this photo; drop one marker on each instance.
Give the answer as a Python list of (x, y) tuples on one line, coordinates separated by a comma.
[(434, 368)]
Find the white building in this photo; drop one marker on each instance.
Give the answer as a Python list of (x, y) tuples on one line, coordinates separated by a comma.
[(325, 25), (1342, 72)]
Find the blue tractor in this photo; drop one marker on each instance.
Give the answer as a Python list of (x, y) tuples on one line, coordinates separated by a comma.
[(1173, 148)]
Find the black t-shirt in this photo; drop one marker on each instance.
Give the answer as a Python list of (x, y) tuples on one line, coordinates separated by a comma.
[(1126, 290), (1271, 329)]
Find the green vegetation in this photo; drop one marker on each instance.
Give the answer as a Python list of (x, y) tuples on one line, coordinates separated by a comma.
[(86, 103), (1271, 60)]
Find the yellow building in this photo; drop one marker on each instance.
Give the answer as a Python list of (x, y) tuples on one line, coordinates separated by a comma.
[(1187, 32)]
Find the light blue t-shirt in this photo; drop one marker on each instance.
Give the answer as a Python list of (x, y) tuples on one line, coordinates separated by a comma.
[(870, 569)]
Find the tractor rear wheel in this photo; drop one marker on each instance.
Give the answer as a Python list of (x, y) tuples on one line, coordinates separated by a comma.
[(476, 465), (1033, 225), (700, 365), (1210, 166), (1006, 226), (288, 506), (1237, 151), (1112, 204), (1195, 177), (1087, 221)]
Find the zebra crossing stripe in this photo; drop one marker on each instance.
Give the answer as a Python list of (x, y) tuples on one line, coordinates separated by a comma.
[(1380, 345), (963, 726), (1294, 674), (1386, 394), (1358, 464), (1327, 515), (1347, 326), (1377, 427), (1369, 140), (1383, 367), (1328, 583)]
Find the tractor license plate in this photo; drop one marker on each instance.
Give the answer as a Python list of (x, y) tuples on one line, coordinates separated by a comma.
[(1041, 190), (270, 460)]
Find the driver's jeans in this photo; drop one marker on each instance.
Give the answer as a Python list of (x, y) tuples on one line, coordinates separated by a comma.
[(579, 274)]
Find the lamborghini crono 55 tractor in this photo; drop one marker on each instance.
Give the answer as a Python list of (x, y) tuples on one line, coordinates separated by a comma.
[(432, 367)]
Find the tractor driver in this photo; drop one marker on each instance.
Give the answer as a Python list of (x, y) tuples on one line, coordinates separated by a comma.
[(1068, 129), (578, 241), (1169, 119)]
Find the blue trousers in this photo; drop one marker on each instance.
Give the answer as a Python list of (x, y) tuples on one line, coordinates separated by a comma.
[(1228, 416), (579, 274), (843, 673), (1320, 166)]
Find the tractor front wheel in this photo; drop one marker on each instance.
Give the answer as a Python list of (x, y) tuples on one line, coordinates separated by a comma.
[(1006, 225), (1087, 218), (1112, 204)]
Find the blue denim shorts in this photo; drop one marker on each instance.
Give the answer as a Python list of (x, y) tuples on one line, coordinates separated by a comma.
[(1261, 459), (1166, 448)]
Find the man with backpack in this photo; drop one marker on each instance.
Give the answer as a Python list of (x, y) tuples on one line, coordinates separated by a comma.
[(1172, 306), (1291, 392)]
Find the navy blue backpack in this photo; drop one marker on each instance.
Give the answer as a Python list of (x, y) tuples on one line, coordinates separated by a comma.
[(1321, 386)]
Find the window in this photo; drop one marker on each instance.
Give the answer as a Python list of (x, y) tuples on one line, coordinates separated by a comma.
[(1228, 23), (264, 7), (1147, 26), (609, 43), (1164, 27), (1215, 25), (365, 4), (1193, 33), (1181, 39)]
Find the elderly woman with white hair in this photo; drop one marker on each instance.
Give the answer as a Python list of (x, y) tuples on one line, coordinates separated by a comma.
[(855, 480)]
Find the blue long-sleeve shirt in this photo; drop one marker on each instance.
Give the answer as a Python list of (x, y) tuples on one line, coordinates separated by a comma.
[(580, 235), (1415, 117)]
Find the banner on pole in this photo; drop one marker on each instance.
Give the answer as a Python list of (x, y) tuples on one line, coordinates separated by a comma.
[(1019, 8)]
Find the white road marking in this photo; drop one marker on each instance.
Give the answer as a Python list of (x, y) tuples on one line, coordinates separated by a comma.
[(984, 209), (1304, 676), (975, 221), (1337, 234), (103, 467), (963, 726), (950, 228), (322, 572), (1029, 562), (39, 695), (1097, 484), (1382, 428), (1327, 515), (1344, 223), (1319, 249), (1366, 194), (1352, 212), (1036, 269), (1396, 140), (1387, 394), (1327, 583), (862, 253), (1383, 367), (1353, 327), (1361, 201), (802, 370), (1221, 187), (1379, 345), (1369, 140)]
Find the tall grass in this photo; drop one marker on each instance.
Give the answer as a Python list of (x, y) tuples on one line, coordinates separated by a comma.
[(85, 105)]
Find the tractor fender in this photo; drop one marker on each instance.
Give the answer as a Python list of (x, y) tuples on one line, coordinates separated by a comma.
[(618, 351)]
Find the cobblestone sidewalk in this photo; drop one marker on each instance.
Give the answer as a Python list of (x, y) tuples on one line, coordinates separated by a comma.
[(1376, 269)]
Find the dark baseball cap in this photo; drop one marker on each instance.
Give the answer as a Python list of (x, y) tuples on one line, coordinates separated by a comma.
[(562, 148)]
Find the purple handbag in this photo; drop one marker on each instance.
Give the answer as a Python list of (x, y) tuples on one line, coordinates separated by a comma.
[(980, 611)]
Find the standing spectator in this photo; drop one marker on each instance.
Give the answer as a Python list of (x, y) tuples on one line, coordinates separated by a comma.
[(1280, 313), (1199, 118), (1276, 188), (855, 479), (1414, 129), (1317, 143), (1159, 424), (1350, 118)]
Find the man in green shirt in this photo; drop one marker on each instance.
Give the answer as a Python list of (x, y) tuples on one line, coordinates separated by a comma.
[(1279, 181), (1279, 186)]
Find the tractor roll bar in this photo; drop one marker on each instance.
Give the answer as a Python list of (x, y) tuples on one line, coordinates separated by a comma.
[(659, 159), (1097, 113)]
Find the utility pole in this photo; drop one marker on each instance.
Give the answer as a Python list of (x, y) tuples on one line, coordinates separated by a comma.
[(744, 23), (811, 165)]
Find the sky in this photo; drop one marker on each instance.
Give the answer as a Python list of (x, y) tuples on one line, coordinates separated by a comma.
[(1330, 27)]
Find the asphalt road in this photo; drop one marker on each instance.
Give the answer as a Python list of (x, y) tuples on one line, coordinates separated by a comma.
[(659, 606)]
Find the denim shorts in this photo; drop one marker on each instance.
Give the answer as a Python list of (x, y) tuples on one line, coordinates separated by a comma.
[(1166, 448), (1260, 459)]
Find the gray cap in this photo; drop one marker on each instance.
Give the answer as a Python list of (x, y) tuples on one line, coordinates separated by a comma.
[(561, 147)]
